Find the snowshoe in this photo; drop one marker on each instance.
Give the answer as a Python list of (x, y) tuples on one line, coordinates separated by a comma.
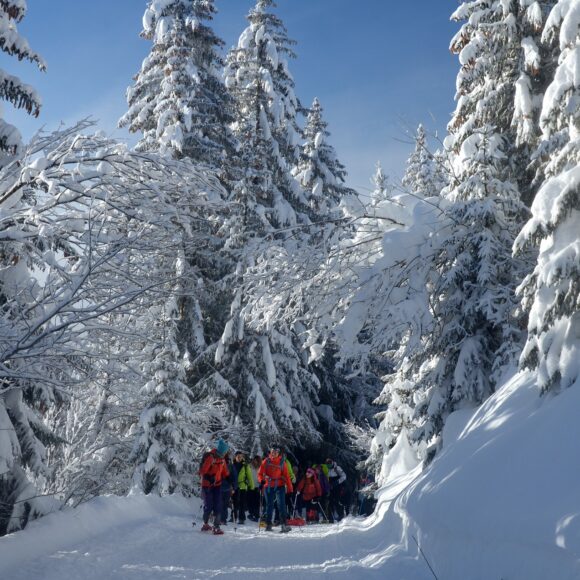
[(262, 524), (269, 528), (205, 528), (284, 529), (218, 532)]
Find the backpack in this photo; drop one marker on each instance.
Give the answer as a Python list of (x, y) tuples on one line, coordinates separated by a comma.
[(205, 455)]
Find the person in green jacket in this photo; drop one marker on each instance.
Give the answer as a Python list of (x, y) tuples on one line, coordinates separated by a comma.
[(243, 482)]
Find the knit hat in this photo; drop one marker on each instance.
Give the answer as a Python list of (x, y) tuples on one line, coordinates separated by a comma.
[(221, 447)]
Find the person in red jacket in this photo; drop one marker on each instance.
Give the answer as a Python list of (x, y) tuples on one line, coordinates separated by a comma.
[(310, 491), (274, 478), (213, 471)]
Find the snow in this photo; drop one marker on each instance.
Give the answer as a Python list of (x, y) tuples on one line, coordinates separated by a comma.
[(497, 502), (502, 500)]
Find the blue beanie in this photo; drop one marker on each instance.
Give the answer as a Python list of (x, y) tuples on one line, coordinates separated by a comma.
[(221, 447)]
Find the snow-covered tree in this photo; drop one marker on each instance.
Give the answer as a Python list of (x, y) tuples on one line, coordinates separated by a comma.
[(261, 368), (79, 218), (551, 293), (502, 77), (381, 189), (172, 428), (424, 175), (319, 172), (12, 89), (476, 334), (536, 69), (258, 77), (178, 102)]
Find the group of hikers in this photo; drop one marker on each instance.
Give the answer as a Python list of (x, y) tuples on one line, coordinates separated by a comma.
[(269, 490)]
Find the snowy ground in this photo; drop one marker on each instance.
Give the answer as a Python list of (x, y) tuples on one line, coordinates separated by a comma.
[(501, 502), (151, 538)]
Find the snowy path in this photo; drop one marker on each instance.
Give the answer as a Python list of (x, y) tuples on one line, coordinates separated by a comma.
[(162, 544)]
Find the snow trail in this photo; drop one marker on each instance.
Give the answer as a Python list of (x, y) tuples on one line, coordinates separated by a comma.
[(157, 541)]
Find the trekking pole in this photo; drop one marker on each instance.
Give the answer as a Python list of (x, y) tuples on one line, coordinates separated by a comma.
[(261, 508), (294, 506), (320, 506), (196, 515)]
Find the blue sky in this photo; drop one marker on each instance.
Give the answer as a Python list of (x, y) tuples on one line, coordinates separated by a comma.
[(379, 67)]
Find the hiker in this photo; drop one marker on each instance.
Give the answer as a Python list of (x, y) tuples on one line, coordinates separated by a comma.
[(289, 499), (336, 479), (275, 479), (243, 481), (321, 471), (227, 491), (310, 492), (213, 470), (254, 493)]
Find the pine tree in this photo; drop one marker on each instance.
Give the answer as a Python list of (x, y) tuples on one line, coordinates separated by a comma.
[(551, 292), (501, 78), (179, 102)]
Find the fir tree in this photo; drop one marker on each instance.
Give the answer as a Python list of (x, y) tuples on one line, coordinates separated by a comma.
[(258, 77), (424, 175), (261, 367), (476, 333), (501, 78), (319, 171), (170, 434), (551, 292), (179, 102), (381, 190), (23, 433), (12, 89)]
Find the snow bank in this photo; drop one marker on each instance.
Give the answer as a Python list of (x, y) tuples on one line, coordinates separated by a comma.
[(61, 530), (503, 498)]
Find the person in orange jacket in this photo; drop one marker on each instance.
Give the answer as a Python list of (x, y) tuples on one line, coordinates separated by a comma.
[(213, 471), (275, 480)]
